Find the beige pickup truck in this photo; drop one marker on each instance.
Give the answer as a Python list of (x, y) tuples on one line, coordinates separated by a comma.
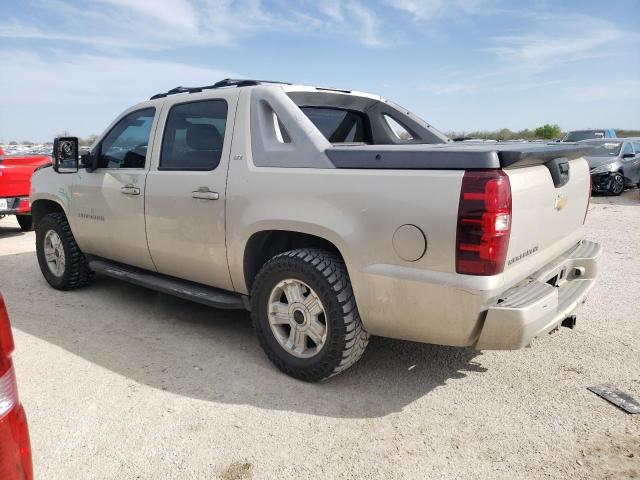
[(330, 214)]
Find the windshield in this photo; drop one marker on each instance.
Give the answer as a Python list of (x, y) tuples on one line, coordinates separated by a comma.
[(583, 135), (600, 149)]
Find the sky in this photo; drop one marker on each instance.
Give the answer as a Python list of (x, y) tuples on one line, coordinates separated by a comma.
[(461, 65)]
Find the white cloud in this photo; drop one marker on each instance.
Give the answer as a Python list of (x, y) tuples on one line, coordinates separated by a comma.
[(491, 85), (430, 9), (93, 79), (177, 14), (559, 40), (622, 90), (165, 25), (367, 22), (332, 9), (538, 58)]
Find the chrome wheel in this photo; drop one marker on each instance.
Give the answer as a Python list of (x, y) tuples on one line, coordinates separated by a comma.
[(54, 253), (297, 318), (617, 184)]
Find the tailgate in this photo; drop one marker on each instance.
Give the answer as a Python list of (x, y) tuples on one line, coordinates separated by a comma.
[(547, 219)]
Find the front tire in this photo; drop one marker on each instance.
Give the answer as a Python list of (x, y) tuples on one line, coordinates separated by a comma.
[(25, 222), (61, 261), (305, 314), (616, 184)]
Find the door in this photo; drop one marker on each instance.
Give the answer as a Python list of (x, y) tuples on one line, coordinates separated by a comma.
[(108, 203), (630, 163), (636, 164), (185, 191)]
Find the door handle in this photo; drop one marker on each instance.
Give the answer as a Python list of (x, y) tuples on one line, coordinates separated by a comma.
[(130, 190), (203, 193)]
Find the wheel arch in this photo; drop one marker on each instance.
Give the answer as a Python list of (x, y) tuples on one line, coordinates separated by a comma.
[(265, 244), (44, 206)]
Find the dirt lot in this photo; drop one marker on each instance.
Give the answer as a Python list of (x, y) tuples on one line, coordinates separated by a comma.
[(121, 382)]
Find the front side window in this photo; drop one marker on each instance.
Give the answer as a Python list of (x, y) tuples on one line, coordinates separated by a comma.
[(194, 136), (125, 146), (339, 125), (627, 149)]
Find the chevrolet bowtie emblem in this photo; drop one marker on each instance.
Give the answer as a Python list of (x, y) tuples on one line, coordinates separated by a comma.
[(561, 201)]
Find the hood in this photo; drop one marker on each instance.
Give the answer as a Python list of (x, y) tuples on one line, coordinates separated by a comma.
[(597, 161)]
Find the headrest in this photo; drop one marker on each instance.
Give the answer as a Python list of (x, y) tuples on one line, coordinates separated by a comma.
[(204, 137)]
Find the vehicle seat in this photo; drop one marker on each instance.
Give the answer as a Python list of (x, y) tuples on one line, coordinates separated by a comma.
[(205, 144)]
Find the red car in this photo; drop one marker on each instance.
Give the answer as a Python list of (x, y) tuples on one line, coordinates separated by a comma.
[(15, 447), (15, 183)]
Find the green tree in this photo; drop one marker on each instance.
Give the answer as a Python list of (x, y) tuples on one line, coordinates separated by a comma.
[(548, 132)]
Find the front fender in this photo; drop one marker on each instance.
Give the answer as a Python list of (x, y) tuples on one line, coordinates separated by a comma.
[(49, 186)]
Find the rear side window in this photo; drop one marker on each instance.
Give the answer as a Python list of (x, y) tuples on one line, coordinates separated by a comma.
[(397, 128), (338, 125), (125, 146), (194, 136)]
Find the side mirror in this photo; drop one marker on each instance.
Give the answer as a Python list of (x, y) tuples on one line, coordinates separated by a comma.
[(628, 155), (65, 154)]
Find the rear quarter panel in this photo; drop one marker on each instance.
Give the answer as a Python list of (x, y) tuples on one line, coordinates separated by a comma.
[(358, 211)]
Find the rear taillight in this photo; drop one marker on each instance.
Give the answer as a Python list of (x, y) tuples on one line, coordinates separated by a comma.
[(6, 339), (15, 447), (24, 205), (484, 222), (8, 392)]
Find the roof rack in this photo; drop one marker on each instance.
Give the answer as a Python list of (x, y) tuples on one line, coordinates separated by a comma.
[(227, 82)]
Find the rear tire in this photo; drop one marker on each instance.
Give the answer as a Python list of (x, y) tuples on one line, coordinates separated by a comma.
[(61, 261), (25, 222), (320, 282), (616, 184)]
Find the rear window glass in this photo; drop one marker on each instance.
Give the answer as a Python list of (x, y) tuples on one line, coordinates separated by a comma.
[(338, 125)]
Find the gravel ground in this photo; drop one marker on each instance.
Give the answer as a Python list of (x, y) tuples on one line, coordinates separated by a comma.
[(120, 382)]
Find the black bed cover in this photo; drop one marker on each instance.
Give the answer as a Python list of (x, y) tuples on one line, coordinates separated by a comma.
[(451, 156)]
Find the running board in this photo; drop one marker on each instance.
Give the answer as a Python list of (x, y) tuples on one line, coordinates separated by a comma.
[(210, 296)]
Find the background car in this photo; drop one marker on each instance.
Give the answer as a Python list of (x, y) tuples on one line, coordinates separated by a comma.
[(577, 135), (15, 183), (15, 447), (614, 164)]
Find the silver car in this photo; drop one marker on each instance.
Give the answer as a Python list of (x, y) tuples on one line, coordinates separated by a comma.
[(614, 164)]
